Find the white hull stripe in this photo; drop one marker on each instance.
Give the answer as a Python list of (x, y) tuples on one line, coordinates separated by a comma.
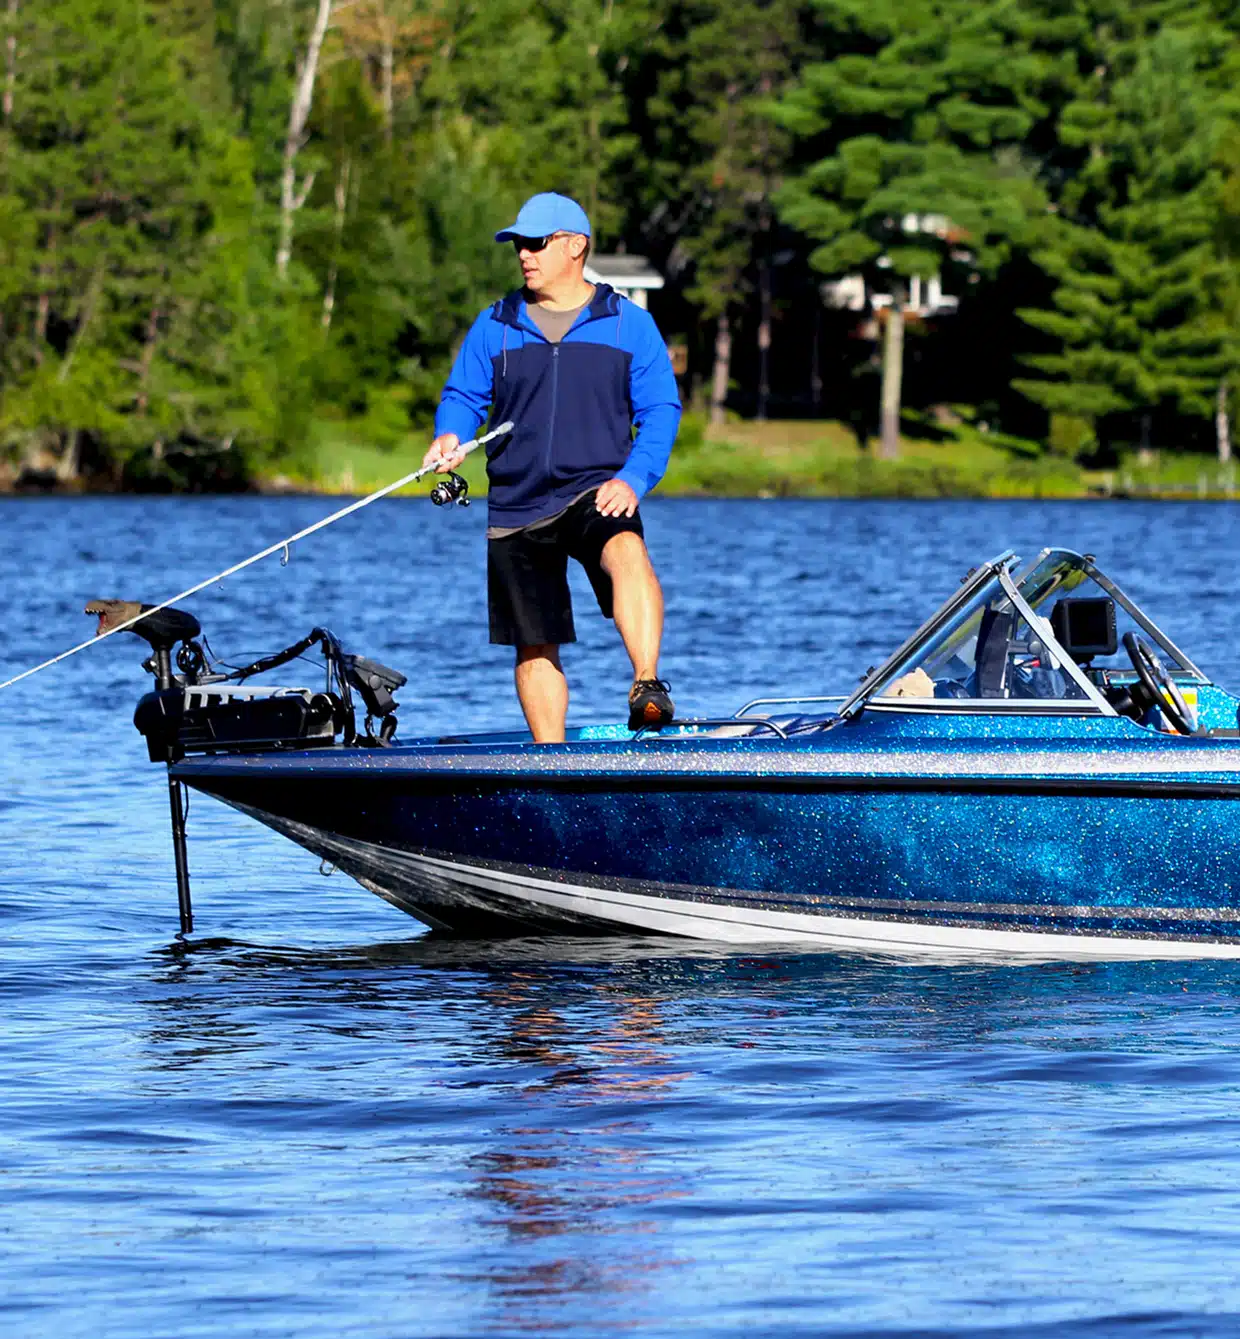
[(745, 925)]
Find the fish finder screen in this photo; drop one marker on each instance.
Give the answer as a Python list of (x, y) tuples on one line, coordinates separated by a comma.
[(1085, 627)]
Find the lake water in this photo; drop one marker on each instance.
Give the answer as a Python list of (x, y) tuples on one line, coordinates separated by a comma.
[(312, 1119)]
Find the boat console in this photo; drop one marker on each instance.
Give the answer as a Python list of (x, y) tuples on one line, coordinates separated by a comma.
[(1086, 628)]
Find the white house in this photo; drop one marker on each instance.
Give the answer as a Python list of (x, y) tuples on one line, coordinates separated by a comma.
[(924, 299), (631, 276)]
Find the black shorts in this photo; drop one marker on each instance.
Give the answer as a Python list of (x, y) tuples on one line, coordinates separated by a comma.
[(527, 574)]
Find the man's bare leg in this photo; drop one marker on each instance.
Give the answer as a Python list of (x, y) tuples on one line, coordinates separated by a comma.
[(543, 692), (637, 601)]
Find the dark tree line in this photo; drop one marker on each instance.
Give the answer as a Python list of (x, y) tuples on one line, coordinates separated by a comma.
[(223, 219)]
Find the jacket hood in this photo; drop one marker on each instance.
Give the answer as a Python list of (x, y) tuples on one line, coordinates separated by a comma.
[(605, 302)]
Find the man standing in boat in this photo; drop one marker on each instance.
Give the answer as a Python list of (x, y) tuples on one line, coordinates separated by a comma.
[(576, 367)]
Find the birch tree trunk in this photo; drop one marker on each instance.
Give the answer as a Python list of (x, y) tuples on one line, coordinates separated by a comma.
[(342, 199), (148, 357), (723, 368), (764, 337), (893, 375), (386, 59), (815, 366), (90, 304), (10, 63), (292, 199), (47, 272), (70, 459), (68, 466), (1145, 452), (1222, 425)]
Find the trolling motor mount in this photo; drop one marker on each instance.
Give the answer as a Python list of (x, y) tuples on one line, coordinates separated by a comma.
[(201, 712), (163, 629)]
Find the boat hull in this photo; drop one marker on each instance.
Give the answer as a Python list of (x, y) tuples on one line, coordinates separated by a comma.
[(1104, 867), (462, 898)]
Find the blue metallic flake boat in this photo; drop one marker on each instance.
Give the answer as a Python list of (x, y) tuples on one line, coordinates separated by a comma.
[(1038, 770)]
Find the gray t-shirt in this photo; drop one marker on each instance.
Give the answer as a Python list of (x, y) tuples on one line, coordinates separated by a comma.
[(554, 326)]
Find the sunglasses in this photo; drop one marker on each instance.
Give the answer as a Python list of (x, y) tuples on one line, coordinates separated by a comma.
[(520, 244)]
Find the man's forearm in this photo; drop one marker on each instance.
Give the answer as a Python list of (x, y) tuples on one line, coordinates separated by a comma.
[(647, 462)]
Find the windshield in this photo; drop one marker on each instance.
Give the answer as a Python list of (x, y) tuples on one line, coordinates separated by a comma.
[(1059, 574), (985, 650), (1051, 639)]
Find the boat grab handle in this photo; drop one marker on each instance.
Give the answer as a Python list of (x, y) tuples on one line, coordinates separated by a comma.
[(758, 724)]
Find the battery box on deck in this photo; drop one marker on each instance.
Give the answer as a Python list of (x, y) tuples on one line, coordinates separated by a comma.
[(207, 718)]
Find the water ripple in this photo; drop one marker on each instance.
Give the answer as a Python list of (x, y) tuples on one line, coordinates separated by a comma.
[(313, 1119)]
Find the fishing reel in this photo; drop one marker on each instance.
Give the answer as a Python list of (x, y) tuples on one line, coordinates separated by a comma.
[(451, 489)]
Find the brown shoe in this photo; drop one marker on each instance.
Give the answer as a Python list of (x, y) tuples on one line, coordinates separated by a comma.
[(650, 705)]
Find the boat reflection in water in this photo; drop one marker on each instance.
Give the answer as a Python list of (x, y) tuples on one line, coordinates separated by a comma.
[(526, 1101), (1037, 770), (587, 1158)]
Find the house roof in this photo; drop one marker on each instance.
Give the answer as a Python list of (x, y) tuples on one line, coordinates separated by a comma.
[(623, 271)]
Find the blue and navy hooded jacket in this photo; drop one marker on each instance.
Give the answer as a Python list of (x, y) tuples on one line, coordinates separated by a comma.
[(574, 404)]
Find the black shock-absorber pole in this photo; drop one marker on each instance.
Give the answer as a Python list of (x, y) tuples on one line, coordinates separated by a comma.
[(176, 802)]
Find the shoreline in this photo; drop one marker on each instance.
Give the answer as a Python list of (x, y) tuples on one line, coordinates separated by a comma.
[(784, 458), (267, 488)]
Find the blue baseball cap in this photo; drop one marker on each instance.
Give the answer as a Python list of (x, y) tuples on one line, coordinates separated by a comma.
[(543, 214)]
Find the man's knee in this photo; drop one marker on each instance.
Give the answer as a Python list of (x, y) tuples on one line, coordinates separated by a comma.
[(625, 552), (548, 651)]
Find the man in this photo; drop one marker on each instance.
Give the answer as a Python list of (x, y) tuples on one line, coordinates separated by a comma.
[(575, 367)]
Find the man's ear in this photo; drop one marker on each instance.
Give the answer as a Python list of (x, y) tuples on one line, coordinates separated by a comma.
[(577, 247)]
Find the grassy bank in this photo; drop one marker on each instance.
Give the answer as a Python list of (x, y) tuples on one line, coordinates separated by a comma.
[(339, 460), (791, 458), (823, 459)]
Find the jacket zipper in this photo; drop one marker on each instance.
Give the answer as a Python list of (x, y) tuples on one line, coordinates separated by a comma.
[(555, 395)]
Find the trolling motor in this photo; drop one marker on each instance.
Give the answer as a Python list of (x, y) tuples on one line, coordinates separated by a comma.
[(199, 710)]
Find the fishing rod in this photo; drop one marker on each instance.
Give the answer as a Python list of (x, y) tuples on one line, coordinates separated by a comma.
[(452, 489)]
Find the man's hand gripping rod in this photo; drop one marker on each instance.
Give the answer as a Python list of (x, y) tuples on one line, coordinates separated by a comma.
[(278, 546)]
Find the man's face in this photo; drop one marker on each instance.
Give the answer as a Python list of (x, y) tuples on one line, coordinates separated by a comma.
[(547, 260)]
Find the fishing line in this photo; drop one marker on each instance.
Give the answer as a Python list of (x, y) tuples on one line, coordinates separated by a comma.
[(280, 546)]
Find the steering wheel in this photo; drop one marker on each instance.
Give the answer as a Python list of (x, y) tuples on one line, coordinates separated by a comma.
[(1160, 686)]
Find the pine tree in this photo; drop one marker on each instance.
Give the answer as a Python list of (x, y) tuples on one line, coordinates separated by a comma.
[(1141, 308), (543, 83), (726, 65), (917, 129)]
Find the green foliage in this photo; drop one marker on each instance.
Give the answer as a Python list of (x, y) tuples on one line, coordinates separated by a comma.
[(915, 132), (726, 65), (1070, 436), (542, 84), (133, 314), (923, 118), (1090, 148), (1143, 323), (824, 460)]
